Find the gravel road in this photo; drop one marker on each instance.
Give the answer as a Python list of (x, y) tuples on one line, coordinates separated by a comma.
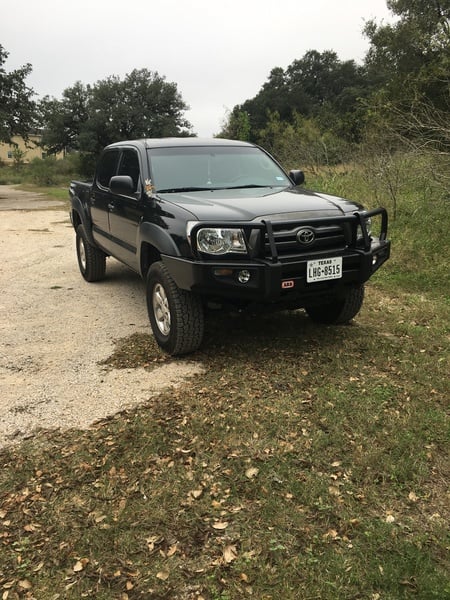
[(55, 327)]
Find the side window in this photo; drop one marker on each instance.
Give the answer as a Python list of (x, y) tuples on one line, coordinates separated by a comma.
[(129, 165), (107, 167)]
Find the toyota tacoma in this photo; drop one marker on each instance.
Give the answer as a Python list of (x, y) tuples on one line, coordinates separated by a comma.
[(215, 222)]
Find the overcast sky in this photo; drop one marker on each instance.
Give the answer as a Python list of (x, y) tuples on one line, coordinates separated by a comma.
[(218, 53)]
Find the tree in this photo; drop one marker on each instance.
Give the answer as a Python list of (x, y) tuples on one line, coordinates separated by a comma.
[(64, 119), (17, 109), (88, 118), (413, 54), (236, 126), (329, 90), (411, 107), (301, 143), (317, 86)]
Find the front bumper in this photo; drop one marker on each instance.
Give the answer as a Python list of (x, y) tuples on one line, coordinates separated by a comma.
[(272, 281), (277, 275)]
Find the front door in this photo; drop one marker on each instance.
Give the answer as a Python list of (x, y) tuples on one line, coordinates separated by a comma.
[(125, 212)]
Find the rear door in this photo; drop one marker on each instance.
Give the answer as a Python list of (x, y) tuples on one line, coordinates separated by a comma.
[(101, 197)]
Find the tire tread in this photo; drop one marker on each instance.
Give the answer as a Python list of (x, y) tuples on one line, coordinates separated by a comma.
[(341, 311), (187, 314), (95, 258)]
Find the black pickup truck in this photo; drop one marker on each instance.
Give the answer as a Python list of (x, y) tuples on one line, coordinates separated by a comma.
[(220, 222)]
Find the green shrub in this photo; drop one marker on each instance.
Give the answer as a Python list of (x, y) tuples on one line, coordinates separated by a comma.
[(43, 172)]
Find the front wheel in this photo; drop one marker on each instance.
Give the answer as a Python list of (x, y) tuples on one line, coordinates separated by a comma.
[(176, 315), (340, 311), (91, 260)]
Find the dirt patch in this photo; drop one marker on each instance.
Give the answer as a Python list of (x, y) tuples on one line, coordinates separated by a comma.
[(55, 328), (11, 198)]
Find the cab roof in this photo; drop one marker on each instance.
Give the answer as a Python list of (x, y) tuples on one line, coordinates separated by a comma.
[(176, 142)]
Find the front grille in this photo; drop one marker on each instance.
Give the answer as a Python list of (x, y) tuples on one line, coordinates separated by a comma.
[(328, 238)]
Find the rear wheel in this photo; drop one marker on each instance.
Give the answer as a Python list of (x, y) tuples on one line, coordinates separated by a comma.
[(176, 316), (91, 260), (340, 311)]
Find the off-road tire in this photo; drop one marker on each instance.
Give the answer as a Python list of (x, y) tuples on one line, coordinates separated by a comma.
[(91, 260), (176, 316), (341, 311)]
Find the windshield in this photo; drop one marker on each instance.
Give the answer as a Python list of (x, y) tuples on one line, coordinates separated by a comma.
[(213, 167)]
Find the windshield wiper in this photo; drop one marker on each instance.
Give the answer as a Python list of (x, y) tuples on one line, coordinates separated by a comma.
[(180, 190), (184, 189), (244, 187)]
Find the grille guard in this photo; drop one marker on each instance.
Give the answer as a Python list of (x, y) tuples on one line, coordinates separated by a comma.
[(354, 220)]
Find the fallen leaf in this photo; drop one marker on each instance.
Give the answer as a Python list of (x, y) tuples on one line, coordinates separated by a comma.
[(163, 575), (251, 472), (390, 519), (153, 541), (100, 518), (331, 533), (220, 525), (38, 567), (229, 554), (196, 493), (172, 550), (8, 585), (24, 584), (80, 565)]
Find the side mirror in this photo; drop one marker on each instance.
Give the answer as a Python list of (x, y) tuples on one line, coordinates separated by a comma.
[(122, 185), (297, 177)]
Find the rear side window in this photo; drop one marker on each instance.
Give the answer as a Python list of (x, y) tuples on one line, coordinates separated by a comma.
[(107, 167)]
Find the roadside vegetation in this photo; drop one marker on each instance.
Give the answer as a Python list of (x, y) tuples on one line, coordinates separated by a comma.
[(306, 462), (48, 173)]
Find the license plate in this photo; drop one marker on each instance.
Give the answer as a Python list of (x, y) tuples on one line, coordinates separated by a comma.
[(324, 269)]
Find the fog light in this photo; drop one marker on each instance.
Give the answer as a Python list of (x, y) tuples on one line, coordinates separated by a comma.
[(244, 276)]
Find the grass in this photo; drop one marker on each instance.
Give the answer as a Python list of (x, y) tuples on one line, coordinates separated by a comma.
[(305, 463), (54, 192)]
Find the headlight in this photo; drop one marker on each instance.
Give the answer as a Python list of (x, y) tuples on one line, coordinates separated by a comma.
[(215, 240), (368, 222)]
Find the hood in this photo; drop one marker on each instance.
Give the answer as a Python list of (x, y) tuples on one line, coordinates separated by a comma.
[(261, 203)]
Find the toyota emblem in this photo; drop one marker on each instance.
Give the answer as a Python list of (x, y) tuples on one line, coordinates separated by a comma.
[(305, 236)]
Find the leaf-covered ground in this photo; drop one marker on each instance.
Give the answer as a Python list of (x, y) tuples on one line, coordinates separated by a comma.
[(306, 462)]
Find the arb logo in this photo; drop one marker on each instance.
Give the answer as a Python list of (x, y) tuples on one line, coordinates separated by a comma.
[(285, 285)]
